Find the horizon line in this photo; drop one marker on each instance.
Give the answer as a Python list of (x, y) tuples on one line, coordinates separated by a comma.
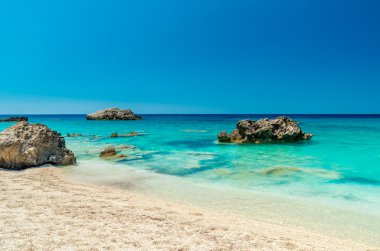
[(32, 114)]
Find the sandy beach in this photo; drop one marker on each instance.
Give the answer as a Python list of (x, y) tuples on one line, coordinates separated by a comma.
[(42, 209)]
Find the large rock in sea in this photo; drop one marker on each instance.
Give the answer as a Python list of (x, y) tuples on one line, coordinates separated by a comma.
[(113, 114), (281, 129), (14, 119), (28, 145)]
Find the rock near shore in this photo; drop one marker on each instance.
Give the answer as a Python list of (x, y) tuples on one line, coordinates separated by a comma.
[(110, 152), (281, 129), (113, 114), (28, 145)]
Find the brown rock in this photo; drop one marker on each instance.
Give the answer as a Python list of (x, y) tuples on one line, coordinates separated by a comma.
[(14, 119), (28, 145), (113, 114), (74, 135), (281, 129), (223, 137), (108, 152)]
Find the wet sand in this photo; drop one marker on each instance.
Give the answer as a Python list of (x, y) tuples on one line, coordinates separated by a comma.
[(42, 209)]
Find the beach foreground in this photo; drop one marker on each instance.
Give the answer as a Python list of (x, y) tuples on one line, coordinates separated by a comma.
[(43, 209)]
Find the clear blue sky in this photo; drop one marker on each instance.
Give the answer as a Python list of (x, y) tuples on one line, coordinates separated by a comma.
[(192, 56)]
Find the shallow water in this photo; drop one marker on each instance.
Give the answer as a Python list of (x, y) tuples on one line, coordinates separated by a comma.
[(339, 167)]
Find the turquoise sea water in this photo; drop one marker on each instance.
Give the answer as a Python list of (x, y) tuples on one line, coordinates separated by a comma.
[(340, 165), (341, 162)]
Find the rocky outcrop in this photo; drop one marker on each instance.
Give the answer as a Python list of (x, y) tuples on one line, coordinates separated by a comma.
[(281, 129), (113, 114), (14, 119), (28, 145)]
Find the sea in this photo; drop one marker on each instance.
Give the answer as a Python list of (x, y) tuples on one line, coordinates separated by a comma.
[(329, 184)]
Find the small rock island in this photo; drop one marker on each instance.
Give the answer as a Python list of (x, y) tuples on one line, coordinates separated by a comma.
[(281, 129), (14, 119), (113, 114), (29, 145)]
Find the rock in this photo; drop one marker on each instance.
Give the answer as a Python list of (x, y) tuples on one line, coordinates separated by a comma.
[(127, 147), (289, 171), (108, 152), (14, 119), (281, 129), (223, 137), (307, 136), (131, 134), (113, 114), (28, 145), (235, 136), (74, 135), (281, 171)]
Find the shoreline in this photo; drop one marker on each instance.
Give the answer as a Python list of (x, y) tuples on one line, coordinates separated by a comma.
[(341, 220), (44, 209)]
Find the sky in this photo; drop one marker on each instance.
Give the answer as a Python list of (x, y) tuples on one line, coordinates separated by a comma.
[(190, 56)]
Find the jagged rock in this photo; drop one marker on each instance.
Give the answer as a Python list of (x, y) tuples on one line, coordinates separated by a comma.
[(281, 129), (28, 145), (14, 119), (113, 114), (223, 137), (307, 136)]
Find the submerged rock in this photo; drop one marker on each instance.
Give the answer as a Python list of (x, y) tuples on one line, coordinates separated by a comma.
[(113, 114), (281, 171), (126, 147), (74, 135), (131, 134), (14, 119), (28, 145), (281, 129), (290, 171), (110, 152)]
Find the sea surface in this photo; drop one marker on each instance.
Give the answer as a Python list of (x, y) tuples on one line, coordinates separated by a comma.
[(332, 180)]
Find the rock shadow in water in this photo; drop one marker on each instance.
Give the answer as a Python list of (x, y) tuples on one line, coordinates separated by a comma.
[(357, 180)]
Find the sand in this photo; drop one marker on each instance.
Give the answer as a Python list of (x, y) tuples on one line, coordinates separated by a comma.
[(42, 209)]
